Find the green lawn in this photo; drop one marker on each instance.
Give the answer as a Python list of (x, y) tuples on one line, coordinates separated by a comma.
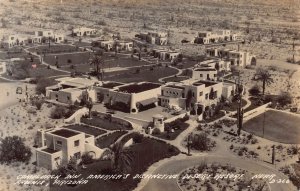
[(81, 61), (145, 74), (105, 124), (176, 79), (86, 129), (54, 48), (107, 140), (68, 59), (145, 154), (279, 126)]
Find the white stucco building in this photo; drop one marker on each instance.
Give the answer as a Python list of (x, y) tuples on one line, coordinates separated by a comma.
[(236, 58), (57, 146)]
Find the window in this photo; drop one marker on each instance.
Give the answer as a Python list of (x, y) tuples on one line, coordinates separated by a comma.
[(201, 94), (77, 155), (201, 75), (68, 98), (215, 75), (206, 96), (76, 143), (193, 94), (58, 142), (182, 95)]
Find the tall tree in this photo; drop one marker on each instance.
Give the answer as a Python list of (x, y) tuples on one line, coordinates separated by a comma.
[(121, 158), (264, 76), (98, 64)]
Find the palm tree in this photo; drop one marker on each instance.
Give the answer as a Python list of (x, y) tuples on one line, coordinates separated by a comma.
[(264, 76), (121, 158), (98, 64)]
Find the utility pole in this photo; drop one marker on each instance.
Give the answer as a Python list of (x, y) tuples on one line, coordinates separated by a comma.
[(264, 123), (273, 154), (240, 111), (293, 50), (189, 144)]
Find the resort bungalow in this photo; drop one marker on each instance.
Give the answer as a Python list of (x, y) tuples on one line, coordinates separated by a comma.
[(201, 95), (133, 97), (57, 146), (84, 31), (217, 63), (165, 54), (70, 90), (236, 58), (125, 45), (158, 38), (204, 73), (15, 40), (44, 36), (209, 37)]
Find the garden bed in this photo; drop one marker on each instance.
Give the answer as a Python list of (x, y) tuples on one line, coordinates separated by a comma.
[(187, 181), (107, 140), (106, 123)]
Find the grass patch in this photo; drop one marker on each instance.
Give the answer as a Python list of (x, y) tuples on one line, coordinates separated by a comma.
[(176, 79), (106, 124), (86, 129), (107, 140), (53, 49), (276, 123), (68, 59), (145, 74)]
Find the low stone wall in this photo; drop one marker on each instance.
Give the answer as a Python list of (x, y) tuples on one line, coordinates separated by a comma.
[(75, 118), (140, 122), (175, 117), (255, 112), (114, 119)]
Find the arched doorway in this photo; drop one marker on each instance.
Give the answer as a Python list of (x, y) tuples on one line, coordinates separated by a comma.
[(253, 61)]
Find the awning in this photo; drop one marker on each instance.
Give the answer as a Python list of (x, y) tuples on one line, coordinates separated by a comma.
[(148, 101)]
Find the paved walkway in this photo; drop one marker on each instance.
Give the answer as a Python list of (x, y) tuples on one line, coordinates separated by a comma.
[(178, 74)]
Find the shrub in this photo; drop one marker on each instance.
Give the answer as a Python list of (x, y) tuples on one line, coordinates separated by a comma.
[(138, 138), (13, 149), (156, 131), (284, 98), (86, 159), (58, 113), (254, 90), (201, 142)]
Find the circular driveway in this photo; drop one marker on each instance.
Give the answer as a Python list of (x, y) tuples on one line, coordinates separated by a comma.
[(176, 166)]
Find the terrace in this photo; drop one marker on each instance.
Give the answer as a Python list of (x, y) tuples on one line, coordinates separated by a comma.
[(137, 88), (49, 150), (65, 133), (205, 69), (111, 85), (206, 83), (173, 86)]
